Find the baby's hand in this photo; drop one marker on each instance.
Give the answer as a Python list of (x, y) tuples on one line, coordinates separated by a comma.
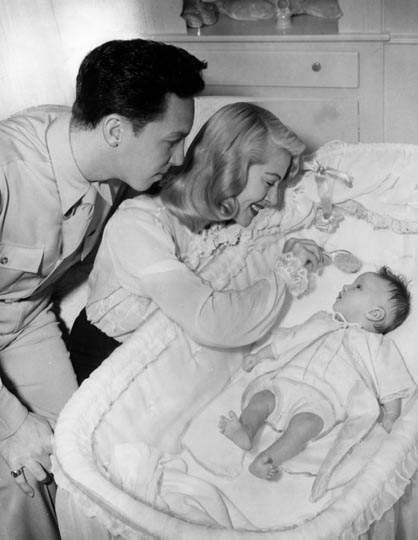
[(250, 361), (387, 422), (320, 485), (390, 413), (323, 316), (323, 321)]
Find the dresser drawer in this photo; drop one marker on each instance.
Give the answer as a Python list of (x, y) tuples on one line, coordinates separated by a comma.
[(287, 68), (315, 120)]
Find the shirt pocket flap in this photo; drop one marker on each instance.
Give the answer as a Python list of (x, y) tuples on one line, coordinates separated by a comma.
[(19, 257)]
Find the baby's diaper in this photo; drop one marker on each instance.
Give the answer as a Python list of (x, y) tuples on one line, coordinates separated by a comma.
[(292, 397)]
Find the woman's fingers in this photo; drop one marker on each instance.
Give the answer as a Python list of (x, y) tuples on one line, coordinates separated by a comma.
[(308, 252), (288, 245), (308, 256), (291, 242)]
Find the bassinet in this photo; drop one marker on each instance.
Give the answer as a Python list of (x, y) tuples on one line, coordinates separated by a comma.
[(118, 403)]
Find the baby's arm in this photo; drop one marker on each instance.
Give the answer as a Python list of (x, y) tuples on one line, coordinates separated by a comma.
[(391, 412), (285, 340), (252, 360)]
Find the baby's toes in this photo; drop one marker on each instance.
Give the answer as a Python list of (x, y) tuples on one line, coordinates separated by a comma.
[(273, 473)]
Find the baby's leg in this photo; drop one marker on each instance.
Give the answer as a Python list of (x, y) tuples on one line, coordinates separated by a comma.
[(302, 428), (243, 430)]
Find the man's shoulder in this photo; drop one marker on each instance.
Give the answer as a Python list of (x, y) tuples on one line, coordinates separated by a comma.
[(23, 135), (39, 110), (36, 115)]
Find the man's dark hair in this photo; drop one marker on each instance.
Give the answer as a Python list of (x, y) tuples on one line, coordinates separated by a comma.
[(132, 78), (400, 300)]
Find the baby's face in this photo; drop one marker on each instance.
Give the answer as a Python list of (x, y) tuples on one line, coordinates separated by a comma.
[(367, 292)]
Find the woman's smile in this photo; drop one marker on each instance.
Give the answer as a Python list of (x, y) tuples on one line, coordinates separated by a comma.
[(261, 190), (257, 207)]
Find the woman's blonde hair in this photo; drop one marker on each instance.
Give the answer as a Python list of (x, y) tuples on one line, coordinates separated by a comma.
[(204, 188)]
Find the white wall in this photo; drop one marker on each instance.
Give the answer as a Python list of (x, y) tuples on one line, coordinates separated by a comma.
[(401, 71), (401, 16), (42, 43)]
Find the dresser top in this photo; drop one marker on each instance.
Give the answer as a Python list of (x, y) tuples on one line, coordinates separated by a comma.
[(303, 28)]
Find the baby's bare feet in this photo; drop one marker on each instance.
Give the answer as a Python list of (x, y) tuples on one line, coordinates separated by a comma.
[(263, 467), (232, 428)]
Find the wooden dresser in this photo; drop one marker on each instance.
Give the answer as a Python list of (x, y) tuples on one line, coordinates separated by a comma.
[(323, 84)]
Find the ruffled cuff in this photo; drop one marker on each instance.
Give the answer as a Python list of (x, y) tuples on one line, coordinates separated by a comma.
[(292, 272), (12, 413)]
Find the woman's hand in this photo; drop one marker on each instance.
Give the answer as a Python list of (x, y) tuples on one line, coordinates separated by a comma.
[(312, 256)]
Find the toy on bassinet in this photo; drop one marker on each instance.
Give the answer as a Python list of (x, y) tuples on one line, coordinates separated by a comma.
[(198, 13), (328, 216), (333, 369), (344, 260)]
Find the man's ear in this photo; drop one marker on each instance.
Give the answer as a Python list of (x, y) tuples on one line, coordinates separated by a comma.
[(112, 128), (376, 314)]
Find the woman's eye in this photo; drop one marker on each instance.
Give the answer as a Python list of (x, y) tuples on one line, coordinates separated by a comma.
[(172, 143)]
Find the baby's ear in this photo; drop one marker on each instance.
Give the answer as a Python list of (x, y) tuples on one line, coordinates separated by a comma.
[(376, 314)]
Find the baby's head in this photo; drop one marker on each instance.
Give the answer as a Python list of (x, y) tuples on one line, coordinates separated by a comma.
[(378, 301)]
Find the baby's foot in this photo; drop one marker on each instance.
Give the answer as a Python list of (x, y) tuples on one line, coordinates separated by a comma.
[(233, 429), (263, 467)]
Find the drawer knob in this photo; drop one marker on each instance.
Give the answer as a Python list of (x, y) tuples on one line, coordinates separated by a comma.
[(316, 66)]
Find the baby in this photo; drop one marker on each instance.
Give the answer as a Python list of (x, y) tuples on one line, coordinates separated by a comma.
[(333, 368)]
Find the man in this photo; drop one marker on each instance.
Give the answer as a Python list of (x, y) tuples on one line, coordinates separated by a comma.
[(60, 173)]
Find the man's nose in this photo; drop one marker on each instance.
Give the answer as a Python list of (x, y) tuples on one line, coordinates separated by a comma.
[(177, 157)]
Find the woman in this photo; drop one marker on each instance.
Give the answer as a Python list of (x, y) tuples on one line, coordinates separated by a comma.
[(232, 170)]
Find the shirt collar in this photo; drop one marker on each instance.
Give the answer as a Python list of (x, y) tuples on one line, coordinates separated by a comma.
[(72, 185), (339, 318)]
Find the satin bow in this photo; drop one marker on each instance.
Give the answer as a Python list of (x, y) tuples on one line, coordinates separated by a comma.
[(328, 172)]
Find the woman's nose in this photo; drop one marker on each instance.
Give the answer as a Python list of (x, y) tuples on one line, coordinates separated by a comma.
[(273, 196), (177, 156)]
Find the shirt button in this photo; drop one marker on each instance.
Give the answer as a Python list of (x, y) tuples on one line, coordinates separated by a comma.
[(4, 260)]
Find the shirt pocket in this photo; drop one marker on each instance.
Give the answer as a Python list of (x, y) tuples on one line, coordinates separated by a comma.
[(19, 266)]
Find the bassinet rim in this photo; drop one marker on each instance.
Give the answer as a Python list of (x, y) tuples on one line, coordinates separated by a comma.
[(77, 472)]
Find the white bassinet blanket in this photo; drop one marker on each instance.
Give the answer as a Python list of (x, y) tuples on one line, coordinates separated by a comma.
[(123, 406), (209, 455)]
